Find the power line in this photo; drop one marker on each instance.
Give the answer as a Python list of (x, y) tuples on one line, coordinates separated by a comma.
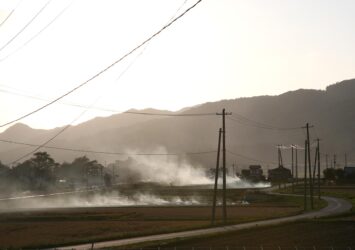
[(43, 145), (103, 108), (168, 114), (24, 27), (38, 33), (250, 158), (106, 152), (249, 122), (10, 14), (105, 69), (78, 117), (178, 10), (48, 141)]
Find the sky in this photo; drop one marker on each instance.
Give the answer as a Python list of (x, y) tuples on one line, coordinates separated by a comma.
[(222, 49)]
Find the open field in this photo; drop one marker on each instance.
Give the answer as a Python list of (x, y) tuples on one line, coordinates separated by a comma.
[(336, 231), (288, 236), (58, 226)]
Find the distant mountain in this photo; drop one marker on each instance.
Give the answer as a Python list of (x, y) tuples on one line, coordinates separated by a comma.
[(248, 129)]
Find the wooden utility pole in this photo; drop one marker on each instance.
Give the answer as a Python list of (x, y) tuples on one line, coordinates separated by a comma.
[(216, 180), (334, 160), (296, 165), (309, 166), (224, 113), (224, 168), (318, 169), (305, 175), (292, 170), (315, 166)]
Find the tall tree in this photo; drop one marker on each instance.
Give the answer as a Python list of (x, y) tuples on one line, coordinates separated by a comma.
[(36, 173)]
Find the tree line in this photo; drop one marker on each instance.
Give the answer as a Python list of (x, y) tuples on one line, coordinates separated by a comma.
[(43, 173)]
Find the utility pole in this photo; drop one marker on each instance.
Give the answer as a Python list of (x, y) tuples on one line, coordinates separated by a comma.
[(292, 170), (224, 168), (296, 163), (315, 165), (305, 175), (216, 179), (280, 161), (334, 160), (224, 113), (309, 164), (310, 167), (318, 168)]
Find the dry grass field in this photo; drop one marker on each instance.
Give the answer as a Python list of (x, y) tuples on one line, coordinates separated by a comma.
[(304, 235), (336, 232), (60, 226), (53, 227)]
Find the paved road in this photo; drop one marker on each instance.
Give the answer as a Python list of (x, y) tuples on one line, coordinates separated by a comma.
[(335, 206)]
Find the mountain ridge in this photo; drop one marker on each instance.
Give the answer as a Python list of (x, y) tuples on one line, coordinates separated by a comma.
[(330, 110)]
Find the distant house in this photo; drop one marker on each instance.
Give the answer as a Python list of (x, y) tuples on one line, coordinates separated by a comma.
[(254, 173), (279, 174)]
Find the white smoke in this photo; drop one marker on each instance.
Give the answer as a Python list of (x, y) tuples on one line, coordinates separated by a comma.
[(170, 170), (112, 199), (163, 169), (236, 182)]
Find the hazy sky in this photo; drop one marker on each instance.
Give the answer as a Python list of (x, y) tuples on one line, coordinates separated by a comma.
[(222, 49)]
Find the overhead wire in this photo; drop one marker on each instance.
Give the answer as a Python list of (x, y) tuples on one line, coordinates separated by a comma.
[(178, 10), (38, 147), (81, 114), (11, 12), (69, 125), (38, 33), (168, 114), (107, 109), (27, 24), (315, 131), (250, 158), (106, 152), (249, 122), (105, 69)]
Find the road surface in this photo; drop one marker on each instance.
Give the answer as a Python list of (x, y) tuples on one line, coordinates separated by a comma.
[(335, 206)]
